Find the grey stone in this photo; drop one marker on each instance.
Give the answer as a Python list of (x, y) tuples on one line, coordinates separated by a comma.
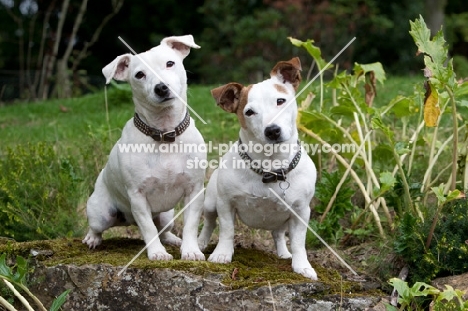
[(99, 287), (457, 282)]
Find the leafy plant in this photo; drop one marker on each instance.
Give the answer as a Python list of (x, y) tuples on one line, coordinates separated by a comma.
[(420, 295), (15, 277), (447, 251), (399, 144), (345, 120), (333, 207)]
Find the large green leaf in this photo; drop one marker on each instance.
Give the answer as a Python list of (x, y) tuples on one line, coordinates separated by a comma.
[(402, 288), (376, 68), (313, 51), (4, 269), (21, 270), (436, 54), (435, 48)]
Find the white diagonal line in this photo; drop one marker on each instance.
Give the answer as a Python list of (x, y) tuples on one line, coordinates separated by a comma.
[(157, 236), (159, 77), (313, 79), (315, 233)]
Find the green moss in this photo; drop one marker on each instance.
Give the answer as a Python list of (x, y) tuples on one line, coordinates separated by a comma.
[(254, 268)]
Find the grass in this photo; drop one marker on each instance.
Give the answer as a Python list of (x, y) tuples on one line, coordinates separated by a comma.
[(72, 122)]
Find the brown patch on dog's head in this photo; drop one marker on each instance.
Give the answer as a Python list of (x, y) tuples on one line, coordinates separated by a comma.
[(232, 97), (280, 88), (243, 101), (288, 71)]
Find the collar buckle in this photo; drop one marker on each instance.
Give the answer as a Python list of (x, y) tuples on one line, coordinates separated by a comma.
[(168, 137), (273, 176)]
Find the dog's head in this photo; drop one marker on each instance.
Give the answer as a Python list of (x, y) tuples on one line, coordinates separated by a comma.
[(156, 76), (267, 111)]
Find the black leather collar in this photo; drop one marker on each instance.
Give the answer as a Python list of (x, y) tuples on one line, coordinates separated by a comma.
[(158, 135), (271, 176)]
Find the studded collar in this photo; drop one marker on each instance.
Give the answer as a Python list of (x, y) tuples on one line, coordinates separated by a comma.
[(158, 135), (273, 175)]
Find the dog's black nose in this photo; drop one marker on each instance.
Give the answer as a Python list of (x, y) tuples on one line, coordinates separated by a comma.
[(273, 132), (161, 90)]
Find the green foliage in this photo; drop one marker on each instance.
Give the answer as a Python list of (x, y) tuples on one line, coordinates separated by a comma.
[(397, 157), (410, 238), (420, 295), (331, 228), (251, 41), (435, 50), (16, 277), (39, 191), (449, 249)]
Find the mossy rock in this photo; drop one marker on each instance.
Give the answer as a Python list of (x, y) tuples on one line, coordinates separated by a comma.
[(249, 269)]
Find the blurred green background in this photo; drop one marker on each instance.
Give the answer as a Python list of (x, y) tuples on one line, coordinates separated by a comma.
[(57, 48)]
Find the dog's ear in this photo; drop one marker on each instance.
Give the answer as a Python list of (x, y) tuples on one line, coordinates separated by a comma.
[(181, 44), (117, 69), (288, 71), (228, 96)]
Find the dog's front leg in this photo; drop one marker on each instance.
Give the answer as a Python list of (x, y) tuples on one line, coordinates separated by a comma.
[(190, 249), (280, 242), (225, 248), (297, 238), (142, 214)]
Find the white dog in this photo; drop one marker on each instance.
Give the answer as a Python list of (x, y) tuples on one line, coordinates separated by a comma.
[(144, 187), (243, 185)]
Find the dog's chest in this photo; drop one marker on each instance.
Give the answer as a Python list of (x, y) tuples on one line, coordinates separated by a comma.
[(264, 212), (165, 171)]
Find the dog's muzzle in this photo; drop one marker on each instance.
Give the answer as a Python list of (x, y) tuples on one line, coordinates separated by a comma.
[(162, 90), (273, 132)]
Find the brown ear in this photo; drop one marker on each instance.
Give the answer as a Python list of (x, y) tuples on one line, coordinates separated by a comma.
[(228, 96), (288, 71)]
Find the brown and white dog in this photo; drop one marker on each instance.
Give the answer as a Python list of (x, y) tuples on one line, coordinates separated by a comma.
[(244, 191)]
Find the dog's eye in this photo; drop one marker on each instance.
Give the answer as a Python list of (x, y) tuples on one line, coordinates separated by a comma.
[(249, 112), (280, 101), (169, 64), (140, 75)]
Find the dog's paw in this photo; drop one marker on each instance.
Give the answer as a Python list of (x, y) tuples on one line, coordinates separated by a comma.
[(202, 244), (195, 256), (220, 258), (160, 256), (308, 273), (168, 238), (284, 255), (92, 240)]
